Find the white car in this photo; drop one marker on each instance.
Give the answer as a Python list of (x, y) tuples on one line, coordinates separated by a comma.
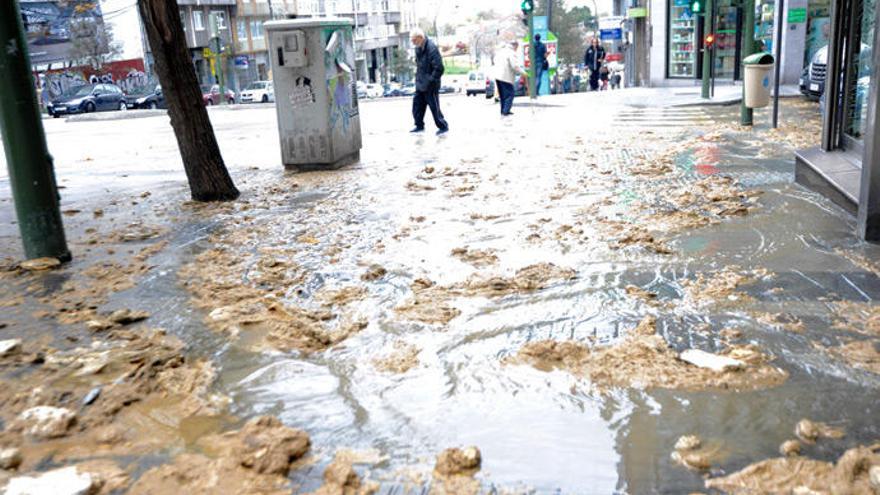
[(375, 90), (259, 92), (477, 83)]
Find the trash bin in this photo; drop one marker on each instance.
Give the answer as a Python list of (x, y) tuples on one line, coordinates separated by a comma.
[(313, 68), (757, 80)]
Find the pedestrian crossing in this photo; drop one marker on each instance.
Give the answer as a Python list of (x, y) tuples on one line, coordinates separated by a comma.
[(664, 117)]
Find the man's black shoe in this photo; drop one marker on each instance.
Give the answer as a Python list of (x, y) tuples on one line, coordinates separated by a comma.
[(442, 132), (418, 129)]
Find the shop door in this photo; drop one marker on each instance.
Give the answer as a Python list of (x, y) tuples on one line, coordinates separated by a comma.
[(728, 40), (858, 71)]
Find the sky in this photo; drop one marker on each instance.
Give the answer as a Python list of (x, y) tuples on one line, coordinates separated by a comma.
[(454, 11)]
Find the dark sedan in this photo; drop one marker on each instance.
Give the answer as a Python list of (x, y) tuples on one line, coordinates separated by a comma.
[(148, 97), (87, 99)]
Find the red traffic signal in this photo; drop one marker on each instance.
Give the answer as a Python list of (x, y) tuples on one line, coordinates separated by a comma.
[(710, 40)]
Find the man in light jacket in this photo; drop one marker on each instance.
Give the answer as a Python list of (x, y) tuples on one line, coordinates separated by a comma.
[(429, 70), (508, 68)]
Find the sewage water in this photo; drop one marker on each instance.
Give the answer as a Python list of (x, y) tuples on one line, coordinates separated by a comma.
[(545, 188)]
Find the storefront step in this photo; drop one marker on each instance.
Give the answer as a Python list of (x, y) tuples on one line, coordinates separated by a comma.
[(836, 175)]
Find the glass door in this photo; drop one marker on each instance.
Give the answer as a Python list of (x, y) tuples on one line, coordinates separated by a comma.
[(859, 70), (764, 10), (682, 54), (728, 31)]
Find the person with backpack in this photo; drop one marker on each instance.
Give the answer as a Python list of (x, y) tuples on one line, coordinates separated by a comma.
[(542, 65)]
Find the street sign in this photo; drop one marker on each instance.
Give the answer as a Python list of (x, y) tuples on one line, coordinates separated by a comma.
[(637, 12), (797, 16), (241, 61), (611, 28)]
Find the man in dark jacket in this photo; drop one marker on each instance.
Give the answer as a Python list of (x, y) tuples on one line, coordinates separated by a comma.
[(593, 60), (542, 64), (429, 70)]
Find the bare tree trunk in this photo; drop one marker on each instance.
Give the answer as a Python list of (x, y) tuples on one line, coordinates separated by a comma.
[(207, 175)]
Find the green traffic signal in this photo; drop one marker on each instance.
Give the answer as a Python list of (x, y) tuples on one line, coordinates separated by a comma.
[(528, 6), (697, 7)]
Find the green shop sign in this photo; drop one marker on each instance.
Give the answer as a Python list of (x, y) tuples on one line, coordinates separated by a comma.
[(636, 12), (797, 16)]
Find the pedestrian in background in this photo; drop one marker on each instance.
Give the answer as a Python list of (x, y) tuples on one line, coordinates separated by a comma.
[(593, 60), (542, 65), (429, 70), (508, 69)]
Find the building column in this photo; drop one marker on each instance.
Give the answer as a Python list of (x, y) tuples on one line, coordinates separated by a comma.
[(794, 40)]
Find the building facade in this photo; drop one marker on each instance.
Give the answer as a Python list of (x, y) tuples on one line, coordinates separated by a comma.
[(381, 28), (677, 38), (251, 61)]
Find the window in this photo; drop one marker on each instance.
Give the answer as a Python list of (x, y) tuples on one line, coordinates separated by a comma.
[(199, 20), (256, 30), (241, 30), (183, 19), (221, 19)]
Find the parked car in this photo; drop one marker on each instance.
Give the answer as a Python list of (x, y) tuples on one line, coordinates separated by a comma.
[(444, 90), (147, 97), (392, 89), (211, 95), (361, 88), (259, 91), (812, 82), (375, 90), (408, 89), (477, 83), (87, 99)]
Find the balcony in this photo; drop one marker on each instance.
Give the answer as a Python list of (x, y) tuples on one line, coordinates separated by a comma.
[(261, 9)]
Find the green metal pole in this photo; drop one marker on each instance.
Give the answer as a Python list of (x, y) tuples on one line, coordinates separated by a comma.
[(748, 48), (707, 51), (31, 173), (532, 71), (218, 58)]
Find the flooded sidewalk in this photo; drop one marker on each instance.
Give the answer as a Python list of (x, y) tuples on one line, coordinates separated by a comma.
[(641, 302)]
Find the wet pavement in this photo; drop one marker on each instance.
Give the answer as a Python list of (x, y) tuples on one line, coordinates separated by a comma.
[(445, 256)]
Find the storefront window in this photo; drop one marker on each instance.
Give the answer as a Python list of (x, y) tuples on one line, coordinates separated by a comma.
[(682, 39), (764, 24), (857, 113), (727, 34)]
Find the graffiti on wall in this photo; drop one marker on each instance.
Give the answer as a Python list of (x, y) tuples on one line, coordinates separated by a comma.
[(339, 62), (128, 75)]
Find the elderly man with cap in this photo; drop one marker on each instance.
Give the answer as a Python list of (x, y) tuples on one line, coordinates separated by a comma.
[(429, 70), (508, 68)]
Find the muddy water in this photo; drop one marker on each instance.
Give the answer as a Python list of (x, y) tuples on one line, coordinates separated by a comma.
[(415, 202)]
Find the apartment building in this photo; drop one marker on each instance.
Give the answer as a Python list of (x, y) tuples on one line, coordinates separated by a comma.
[(198, 18), (380, 26), (251, 61)]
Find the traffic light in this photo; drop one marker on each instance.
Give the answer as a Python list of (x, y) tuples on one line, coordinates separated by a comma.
[(697, 6), (709, 40), (528, 6)]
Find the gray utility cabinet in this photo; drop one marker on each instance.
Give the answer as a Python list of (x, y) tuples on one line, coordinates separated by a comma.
[(313, 67)]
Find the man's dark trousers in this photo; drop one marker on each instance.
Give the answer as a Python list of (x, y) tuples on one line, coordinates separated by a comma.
[(428, 99), (594, 80), (505, 94)]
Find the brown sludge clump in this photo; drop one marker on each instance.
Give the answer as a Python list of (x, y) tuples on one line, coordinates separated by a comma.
[(340, 478), (810, 431), (645, 360), (432, 303), (454, 471), (255, 459), (850, 475), (403, 358)]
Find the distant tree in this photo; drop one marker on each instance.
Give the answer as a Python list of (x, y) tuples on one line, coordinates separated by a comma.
[(447, 30), (91, 42), (402, 67), (487, 15), (570, 27)]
